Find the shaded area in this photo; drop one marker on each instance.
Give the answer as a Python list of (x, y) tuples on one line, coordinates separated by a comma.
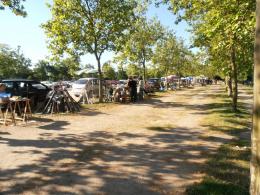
[(55, 125), (227, 171), (109, 162), (94, 163)]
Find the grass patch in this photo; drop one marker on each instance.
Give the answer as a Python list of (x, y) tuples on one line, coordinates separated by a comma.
[(222, 118), (227, 171)]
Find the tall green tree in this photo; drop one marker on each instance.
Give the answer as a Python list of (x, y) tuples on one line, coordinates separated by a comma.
[(79, 27), (165, 55), (255, 160), (87, 66), (108, 71), (13, 63), (224, 27), (139, 47), (133, 70), (172, 57), (41, 70), (15, 5), (122, 62), (121, 72), (203, 66), (66, 68)]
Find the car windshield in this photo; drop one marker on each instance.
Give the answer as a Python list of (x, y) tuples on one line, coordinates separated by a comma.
[(9, 85), (81, 82)]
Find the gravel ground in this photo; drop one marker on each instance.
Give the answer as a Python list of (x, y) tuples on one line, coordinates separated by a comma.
[(154, 147)]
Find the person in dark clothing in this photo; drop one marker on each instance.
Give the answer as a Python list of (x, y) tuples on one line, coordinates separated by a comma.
[(132, 84)]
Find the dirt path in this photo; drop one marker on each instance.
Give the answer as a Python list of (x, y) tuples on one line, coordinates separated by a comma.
[(154, 147)]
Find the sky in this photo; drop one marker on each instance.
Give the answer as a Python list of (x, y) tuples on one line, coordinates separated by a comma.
[(27, 32)]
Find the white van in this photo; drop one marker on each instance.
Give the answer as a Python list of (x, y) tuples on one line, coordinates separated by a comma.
[(79, 85)]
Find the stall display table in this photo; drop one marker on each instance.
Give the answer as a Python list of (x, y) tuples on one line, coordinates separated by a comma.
[(15, 109), (6, 109), (21, 109)]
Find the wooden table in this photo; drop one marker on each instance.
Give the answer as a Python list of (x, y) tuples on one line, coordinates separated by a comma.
[(8, 111), (21, 109)]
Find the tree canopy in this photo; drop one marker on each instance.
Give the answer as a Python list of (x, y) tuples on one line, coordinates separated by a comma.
[(138, 49), (171, 56), (88, 26), (13, 64), (225, 30), (108, 71), (15, 5)]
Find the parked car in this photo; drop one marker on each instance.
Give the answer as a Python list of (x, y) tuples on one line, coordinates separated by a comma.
[(64, 84), (47, 83), (79, 85), (122, 83), (154, 83), (34, 90)]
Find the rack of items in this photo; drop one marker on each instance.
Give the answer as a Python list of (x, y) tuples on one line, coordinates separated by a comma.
[(59, 100)]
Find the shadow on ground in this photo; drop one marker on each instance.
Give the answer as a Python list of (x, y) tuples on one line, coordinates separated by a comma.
[(102, 163), (94, 164), (227, 171)]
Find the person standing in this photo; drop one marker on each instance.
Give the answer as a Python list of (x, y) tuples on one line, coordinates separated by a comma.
[(140, 90), (132, 85)]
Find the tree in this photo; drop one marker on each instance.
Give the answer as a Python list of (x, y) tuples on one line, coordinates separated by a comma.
[(165, 55), (108, 71), (13, 64), (87, 66), (41, 70), (255, 160), (69, 66), (133, 70), (138, 49), (172, 57), (229, 36), (206, 67), (121, 73), (122, 62), (225, 28), (89, 26), (15, 5)]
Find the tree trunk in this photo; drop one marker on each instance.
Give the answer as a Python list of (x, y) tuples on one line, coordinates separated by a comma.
[(166, 80), (179, 79), (234, 78), (255, 160), (144, 71), (144, 64), (229, 85), (100, 77)]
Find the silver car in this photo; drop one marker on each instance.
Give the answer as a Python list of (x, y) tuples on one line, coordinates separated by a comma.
[(80, 85)]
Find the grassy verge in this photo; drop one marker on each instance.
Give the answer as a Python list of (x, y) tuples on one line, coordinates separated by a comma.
[(227, 171)]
